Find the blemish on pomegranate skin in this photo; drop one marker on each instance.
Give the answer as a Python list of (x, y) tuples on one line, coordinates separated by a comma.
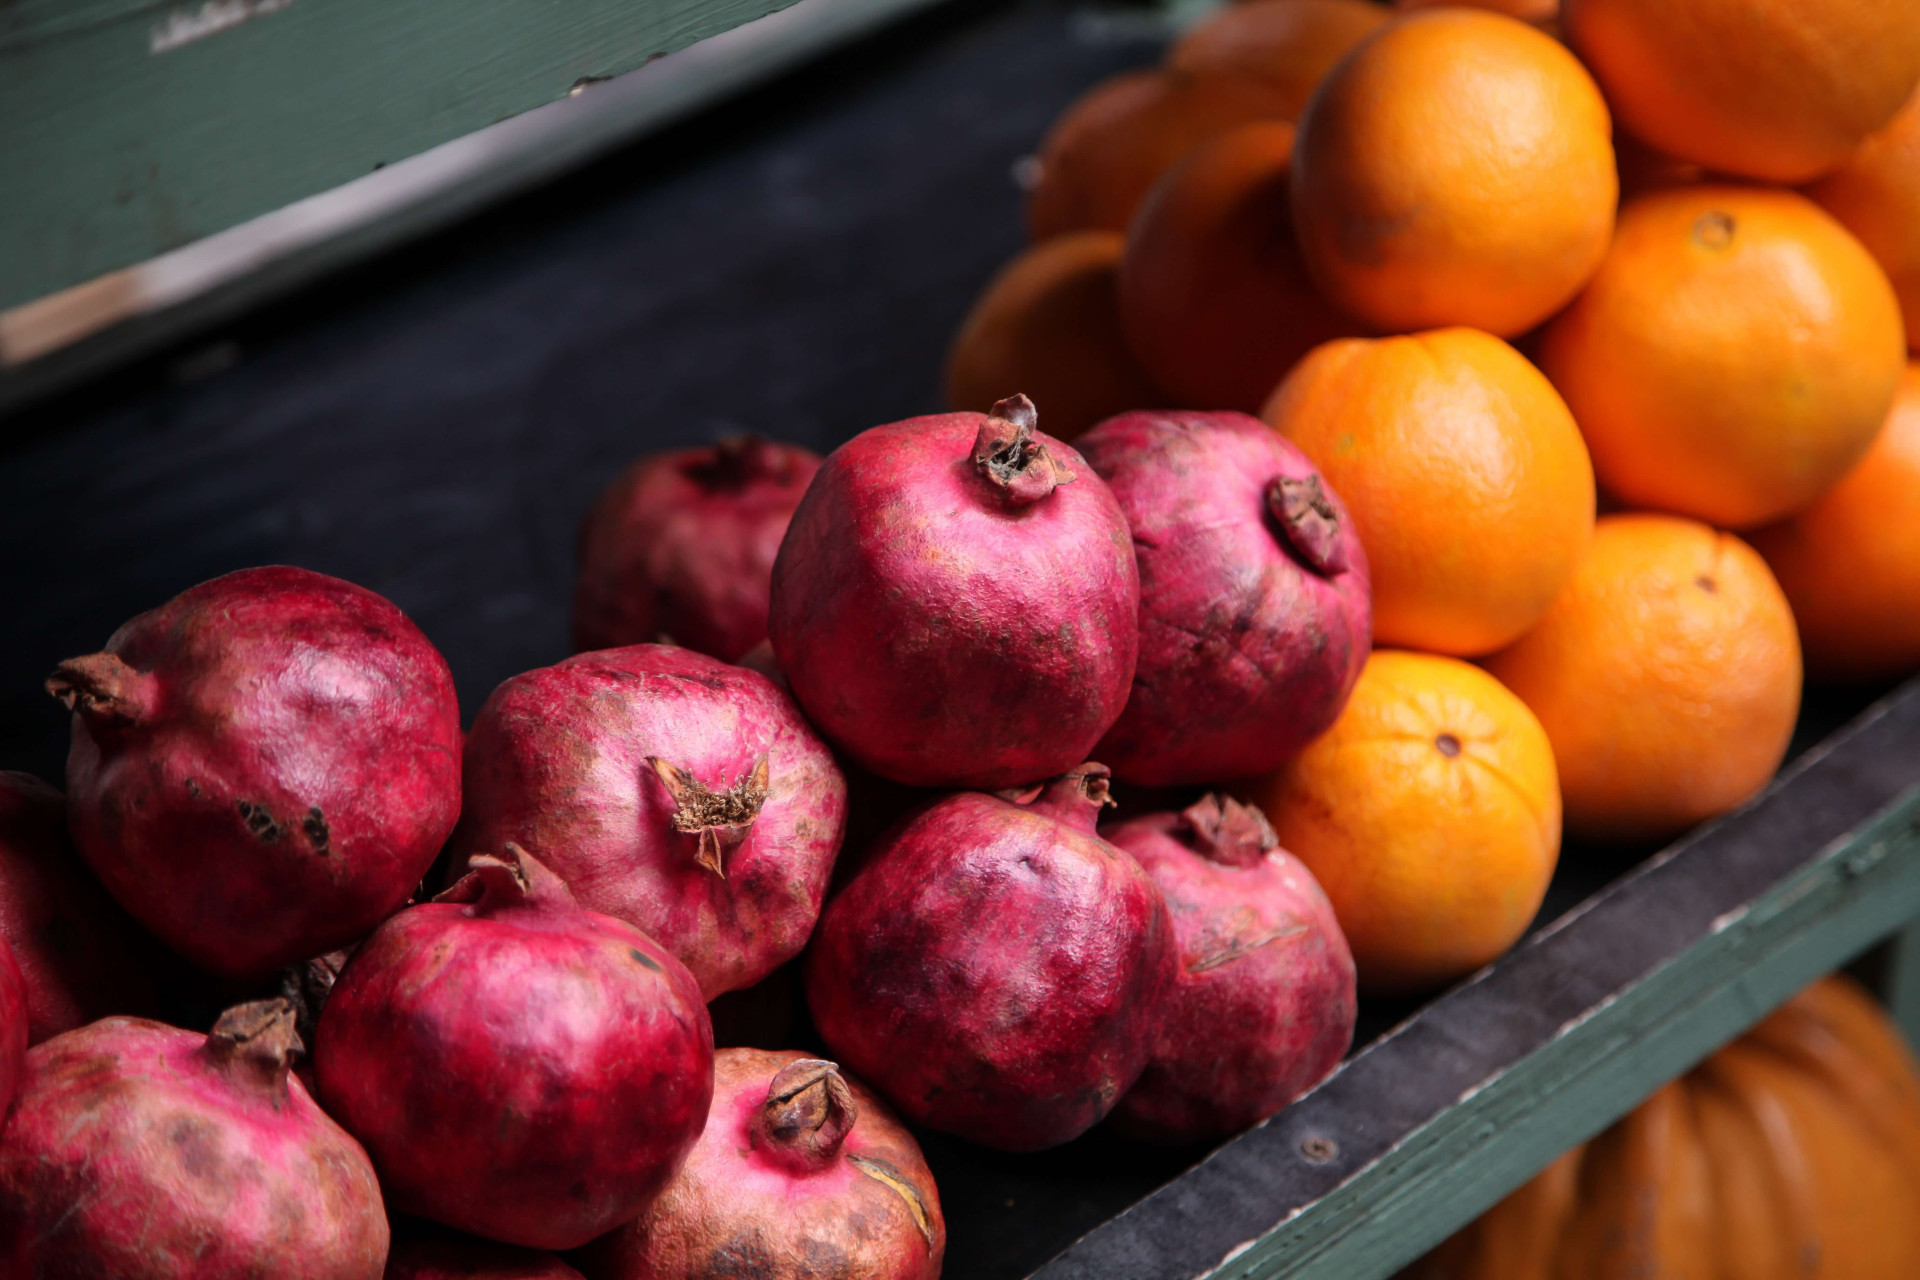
[(645, 959), (260, 822), (1448, 745)]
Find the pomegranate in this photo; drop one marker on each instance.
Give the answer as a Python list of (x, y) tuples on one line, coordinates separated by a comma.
[(683, 795), (80, 955), (1255, 614), (518, 1068), (995, 968), (143, 1152), (956, 601), (680, 547), (446, 1256), (800, 1175), (263, 767), (13, 1027), (1263, 1004)]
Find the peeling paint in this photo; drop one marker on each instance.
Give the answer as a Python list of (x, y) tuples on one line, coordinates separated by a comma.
[(184, 26)]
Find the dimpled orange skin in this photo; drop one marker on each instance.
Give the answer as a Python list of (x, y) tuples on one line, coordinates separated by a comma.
[(1850, 563), (1876, 195), (1047, 326), (1291, 44), (1105, 152), (1734, 356), (1465, 475), (1430, 813), (1667, 677), (1773, 89), (1457, 168)]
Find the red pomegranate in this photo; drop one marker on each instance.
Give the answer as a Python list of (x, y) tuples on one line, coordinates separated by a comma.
[(518, 1068), (683, 795), (80, 955), (800, 1175), (143, 1152), (995, 968), (446, 1256), (1255, 613), (681, 547), (956, 601), (263, 767), (13, 1027), (1263, 1004)]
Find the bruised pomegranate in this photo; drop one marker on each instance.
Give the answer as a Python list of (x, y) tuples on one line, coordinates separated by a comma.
[(801, 1174), (1263, 1005), (263, 767), (681, 547), (143, 1152), (80, 955), (445, 1256), (683, 795), (1255, 613), (956, 602), (517, 1067), (995, 968)]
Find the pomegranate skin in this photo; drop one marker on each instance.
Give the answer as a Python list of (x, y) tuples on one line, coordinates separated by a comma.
[(1255, 611), (995, 968), (576, 761), (801, 1173), (13, 1028), (951, 609), (1264, 1003), (518, 1068), (143, 1152), (263, 767), (681, 545), (80, 955), (450, 1257)]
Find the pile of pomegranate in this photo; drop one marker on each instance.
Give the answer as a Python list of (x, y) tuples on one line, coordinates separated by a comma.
[(847, 727)]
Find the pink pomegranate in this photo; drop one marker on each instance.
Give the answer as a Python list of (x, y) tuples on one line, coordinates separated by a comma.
[(446, 1256), (802, 1174), (263, 767), (143, 1152), (683, 795), (80, 955), (1263, 1006), (1255, 613), (518, 1068), (956, 601), (680, 548), (13, 1027), (995, 968)]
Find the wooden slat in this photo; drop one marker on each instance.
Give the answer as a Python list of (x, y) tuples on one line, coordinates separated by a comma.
[(131, 129)]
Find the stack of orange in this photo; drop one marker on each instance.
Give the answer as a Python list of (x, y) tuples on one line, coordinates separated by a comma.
[(1481, 264)]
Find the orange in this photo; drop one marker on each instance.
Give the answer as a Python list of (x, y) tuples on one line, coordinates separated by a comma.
[(1213, 295), (1430, 814), (1774, 89), (1291, 44), (1048, 325), (1850, 563), (1457, 168), (1526, 10), (1733, 357), (1105, 151), (1667, 676), (1876, 195), (1463, 471)]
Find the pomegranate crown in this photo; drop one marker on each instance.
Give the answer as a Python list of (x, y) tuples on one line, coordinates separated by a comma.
[(103, 690), (1228, 831), (514, 878), (256, 1044), (718, 820), (1075, 797), (1019, 470), (1308, 521), (807, 1115)]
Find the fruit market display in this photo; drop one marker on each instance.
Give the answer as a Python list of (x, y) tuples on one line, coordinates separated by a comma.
[(1422, 490)]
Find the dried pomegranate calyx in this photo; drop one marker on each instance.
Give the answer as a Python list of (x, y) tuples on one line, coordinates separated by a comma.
[(720, 820), (104, 689), (1227, 831), (1019, 468), (1308, 522), (807, 1115), (257, 1041)]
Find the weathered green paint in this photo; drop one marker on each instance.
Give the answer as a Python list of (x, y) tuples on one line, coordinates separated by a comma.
[(111, 152), (1903, 983), (1474, 1153)]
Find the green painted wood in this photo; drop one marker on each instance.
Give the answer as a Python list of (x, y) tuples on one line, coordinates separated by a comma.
[(1902, 987), (1468, 1158), (117, 145)]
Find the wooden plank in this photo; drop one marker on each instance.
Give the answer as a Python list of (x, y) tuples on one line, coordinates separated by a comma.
[(1902, 992), (1479, 1090), (134, 127)]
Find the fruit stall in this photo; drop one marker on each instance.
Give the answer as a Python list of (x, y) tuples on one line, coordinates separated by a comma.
[(574, 772)]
